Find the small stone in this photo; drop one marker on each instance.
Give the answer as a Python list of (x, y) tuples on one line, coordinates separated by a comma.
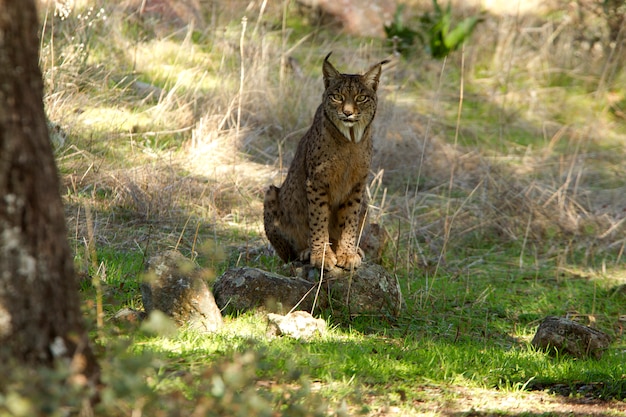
[(556, 334), (298, 324)]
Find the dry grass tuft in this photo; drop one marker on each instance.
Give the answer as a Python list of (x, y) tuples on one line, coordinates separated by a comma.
[(168, 130)]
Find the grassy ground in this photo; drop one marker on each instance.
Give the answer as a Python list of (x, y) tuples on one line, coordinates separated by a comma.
[(498, 173)]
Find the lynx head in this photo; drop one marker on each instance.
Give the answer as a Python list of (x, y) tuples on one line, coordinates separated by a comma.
[(350, 100)]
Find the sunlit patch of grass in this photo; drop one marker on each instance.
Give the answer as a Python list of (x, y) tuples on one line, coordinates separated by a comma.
[(119, 275), (184, 66), (350, 361), (114, 119)]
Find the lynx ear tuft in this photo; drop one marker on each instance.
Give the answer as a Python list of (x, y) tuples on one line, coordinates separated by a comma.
[(372, 76), (330, 73)]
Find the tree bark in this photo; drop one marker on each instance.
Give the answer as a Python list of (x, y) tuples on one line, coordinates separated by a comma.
[(40, 317)]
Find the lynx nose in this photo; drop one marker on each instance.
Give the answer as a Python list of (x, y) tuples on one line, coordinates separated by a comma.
[(348, 110)]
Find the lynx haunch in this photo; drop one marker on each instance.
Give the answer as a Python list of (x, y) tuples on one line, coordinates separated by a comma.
[(317, 213)]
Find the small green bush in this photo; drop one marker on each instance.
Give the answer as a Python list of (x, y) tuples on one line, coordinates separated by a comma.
[(436, 33)]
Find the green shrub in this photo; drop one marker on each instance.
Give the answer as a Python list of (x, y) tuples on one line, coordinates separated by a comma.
[(436, 33)]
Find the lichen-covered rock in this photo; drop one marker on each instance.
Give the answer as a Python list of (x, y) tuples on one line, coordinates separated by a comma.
[(368, 289), (557, 334), (177, 287), (298, 324), (242, 289)]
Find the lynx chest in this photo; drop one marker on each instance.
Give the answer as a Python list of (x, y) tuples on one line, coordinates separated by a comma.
[(341, 169)]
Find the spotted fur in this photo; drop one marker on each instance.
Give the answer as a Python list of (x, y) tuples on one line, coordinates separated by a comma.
[(317, 213)]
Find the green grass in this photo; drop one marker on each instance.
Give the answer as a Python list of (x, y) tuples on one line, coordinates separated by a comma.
[(347, 361), (470, 328), (516, 218)]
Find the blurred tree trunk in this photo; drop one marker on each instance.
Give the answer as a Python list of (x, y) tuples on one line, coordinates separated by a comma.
[(40, 317)]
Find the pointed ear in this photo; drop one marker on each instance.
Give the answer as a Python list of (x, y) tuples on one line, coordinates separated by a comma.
[(372, 76), (330, 73)]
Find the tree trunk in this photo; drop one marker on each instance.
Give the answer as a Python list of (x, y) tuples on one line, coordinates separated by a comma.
[(40, 317)]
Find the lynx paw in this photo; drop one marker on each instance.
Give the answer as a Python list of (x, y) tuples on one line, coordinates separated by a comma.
[(327, 260), (348, 260), (305, 255)]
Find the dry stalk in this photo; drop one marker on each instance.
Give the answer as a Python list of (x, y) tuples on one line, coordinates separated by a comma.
[(448, 220), (182, 233), (90, 249), (521, 254), (615, 49), (283, 55), (258, 20), (413, 209), (372, 194), (306, 294), (242, 73), (319, 286), (195, 240)]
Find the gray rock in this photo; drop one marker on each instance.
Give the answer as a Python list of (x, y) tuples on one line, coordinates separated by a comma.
[(242, 289), (370, 289), (556, 334), (176, 286), (299, 325)]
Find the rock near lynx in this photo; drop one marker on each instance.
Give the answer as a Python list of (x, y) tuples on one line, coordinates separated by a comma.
[(370, 289), (243, 289), (177, 287), (557, 334)]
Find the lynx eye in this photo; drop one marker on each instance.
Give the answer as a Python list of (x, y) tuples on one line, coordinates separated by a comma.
[(361, 98), (338, 98)]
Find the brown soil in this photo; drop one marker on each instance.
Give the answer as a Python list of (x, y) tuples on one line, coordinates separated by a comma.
[(461, 401)]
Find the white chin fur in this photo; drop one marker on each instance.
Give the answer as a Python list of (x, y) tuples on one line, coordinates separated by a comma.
[(353, 131)]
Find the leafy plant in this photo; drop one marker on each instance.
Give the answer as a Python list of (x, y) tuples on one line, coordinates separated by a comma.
[(403, 37), (443, 38), (436, 32)]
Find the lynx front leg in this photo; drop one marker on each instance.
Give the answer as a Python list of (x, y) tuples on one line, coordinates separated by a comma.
[(349, 216), (322, 255)]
